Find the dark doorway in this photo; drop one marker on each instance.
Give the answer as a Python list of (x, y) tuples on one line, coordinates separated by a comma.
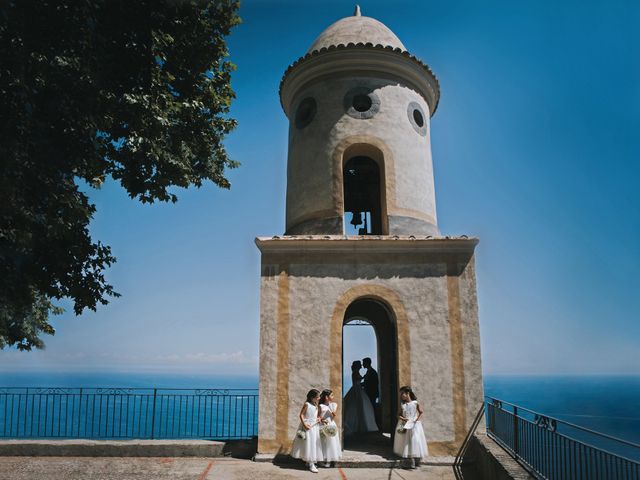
[(370, 313), (362, 190)]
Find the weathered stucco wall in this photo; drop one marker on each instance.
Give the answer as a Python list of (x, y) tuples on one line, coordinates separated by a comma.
[(429, 285), (317, 154)]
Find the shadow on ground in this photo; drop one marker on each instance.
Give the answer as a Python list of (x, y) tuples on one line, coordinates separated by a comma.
[(372, 443), (245, 449)]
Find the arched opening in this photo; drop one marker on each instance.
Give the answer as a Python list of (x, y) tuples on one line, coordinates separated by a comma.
[(369, 330), (362, 197)]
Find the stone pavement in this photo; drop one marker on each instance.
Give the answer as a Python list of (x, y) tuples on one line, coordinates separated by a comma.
[(148, 468)]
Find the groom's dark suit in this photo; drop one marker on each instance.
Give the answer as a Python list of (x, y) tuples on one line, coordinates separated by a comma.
[(370, 385)]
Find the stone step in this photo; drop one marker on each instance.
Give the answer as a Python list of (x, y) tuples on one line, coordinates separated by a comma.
[(353, 459)]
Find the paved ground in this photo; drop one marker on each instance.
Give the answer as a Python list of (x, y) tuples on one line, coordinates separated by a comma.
[(121, 468)]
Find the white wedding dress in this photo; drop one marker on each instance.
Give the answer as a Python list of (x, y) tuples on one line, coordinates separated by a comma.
[(358, 416)]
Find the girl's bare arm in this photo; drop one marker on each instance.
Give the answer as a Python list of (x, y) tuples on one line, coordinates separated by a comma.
[(420, 411), (302, 412)]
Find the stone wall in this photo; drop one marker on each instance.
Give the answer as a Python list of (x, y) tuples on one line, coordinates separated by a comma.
[(429, 288)]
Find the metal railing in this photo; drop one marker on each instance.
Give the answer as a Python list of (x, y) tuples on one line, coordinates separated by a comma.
[(144, 413), (462, 452), (550, 448)]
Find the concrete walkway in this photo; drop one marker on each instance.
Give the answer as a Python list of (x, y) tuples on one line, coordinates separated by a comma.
[(146, 468)]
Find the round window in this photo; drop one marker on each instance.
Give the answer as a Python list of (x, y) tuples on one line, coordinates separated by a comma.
[(361, 102), (305, 113), (417, 118)]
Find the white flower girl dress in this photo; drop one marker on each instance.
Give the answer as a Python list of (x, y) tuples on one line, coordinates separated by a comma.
[(331, 450), (412, 443)]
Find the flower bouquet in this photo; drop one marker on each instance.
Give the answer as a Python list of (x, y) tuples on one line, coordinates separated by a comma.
[(408, 425), (301, 434), (329, 430)]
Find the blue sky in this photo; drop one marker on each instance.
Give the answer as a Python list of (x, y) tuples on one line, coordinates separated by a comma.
[(536, 151)]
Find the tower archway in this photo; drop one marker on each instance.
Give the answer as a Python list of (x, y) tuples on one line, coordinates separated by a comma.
[(363, 186), (377, 314), (362, 196)]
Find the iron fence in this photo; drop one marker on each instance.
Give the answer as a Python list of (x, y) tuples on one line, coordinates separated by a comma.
[(550, 448), (144, 413)]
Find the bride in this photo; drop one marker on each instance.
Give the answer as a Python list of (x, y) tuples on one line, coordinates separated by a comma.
[(358, 411)]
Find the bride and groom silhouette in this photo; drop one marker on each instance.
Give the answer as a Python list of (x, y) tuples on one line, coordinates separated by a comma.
[(360, 401)]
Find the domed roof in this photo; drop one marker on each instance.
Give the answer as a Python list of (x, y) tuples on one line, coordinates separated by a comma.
[(356, 29), (361, 44)]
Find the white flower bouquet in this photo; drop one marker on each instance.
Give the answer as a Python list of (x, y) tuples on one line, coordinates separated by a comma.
[(408, 425), (329, 430), (301, 434)]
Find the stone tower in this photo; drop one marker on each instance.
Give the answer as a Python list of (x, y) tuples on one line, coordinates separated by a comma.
[(362, 242)]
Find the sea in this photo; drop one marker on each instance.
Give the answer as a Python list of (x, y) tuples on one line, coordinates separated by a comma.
[(608, 404)]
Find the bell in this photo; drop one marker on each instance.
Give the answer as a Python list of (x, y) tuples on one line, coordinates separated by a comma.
[(356, 219)]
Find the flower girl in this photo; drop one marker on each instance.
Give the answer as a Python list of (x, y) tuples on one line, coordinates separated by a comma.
[(306, 445), (329, 438), (409, 441)]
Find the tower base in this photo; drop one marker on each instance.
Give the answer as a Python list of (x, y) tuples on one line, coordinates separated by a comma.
[(419, 294)]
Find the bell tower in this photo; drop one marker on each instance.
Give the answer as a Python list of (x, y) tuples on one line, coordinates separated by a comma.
[(362, 242)]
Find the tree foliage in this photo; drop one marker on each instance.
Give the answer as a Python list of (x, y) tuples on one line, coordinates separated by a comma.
[(138, 91)]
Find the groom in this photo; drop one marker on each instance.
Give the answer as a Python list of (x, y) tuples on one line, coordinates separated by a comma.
[(370, 386), (370, 382)]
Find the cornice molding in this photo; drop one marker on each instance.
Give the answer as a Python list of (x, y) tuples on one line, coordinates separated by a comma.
[(352, 58), (368, 243)]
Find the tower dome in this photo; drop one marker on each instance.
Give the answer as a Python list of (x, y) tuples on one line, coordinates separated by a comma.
[(356, 29)]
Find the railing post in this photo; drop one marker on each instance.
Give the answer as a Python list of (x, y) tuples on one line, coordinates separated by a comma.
[(26, 410), (516, 448), (492, 416), (153, 414), (80, 412)]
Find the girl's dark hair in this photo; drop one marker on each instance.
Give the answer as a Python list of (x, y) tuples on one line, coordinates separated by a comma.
[(407, 389), (325, 393), (311, 394)]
